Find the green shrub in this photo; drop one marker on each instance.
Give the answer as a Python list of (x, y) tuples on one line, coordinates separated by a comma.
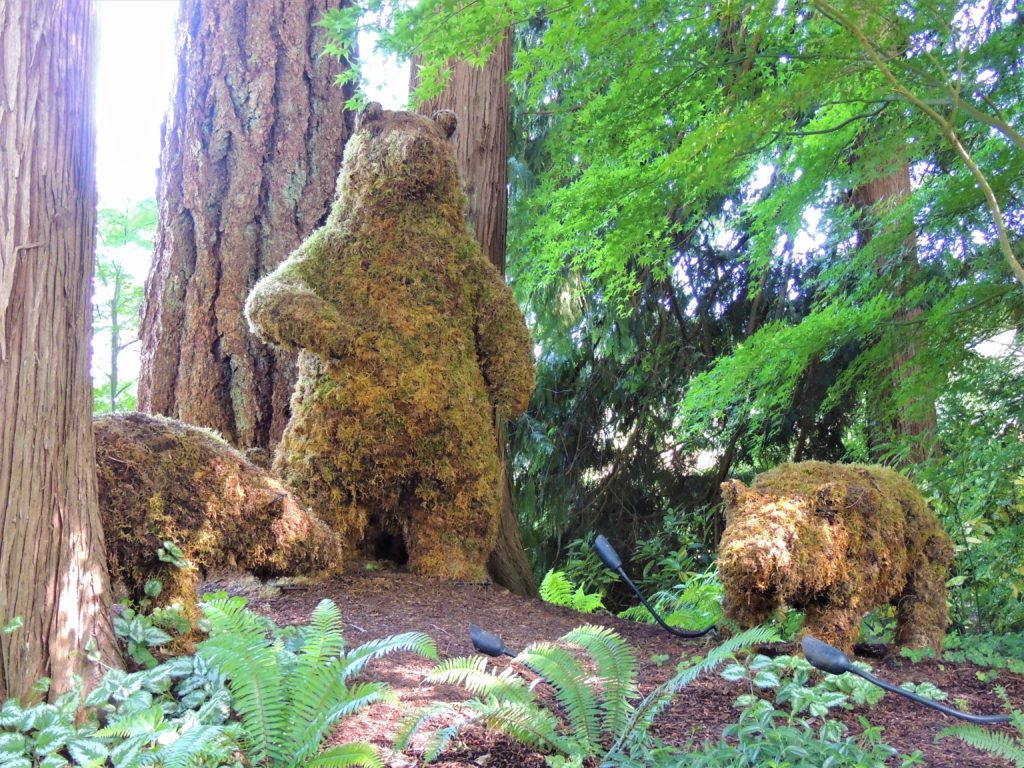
[(251, 695), (693, 604), (793, 731), (558, 590), (596, 714)]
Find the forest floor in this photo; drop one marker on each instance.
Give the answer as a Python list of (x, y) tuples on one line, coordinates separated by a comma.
[(379, 603)]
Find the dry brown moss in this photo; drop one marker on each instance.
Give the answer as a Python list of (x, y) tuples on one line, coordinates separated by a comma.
[(410, 338), (835, 541), (162, 480)]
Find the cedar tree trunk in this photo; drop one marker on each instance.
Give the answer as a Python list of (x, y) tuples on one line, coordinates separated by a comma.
[(250, 153), (479, 98), (52, 562), (917, 420)]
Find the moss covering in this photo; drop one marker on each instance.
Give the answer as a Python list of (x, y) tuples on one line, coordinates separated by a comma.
[(410, 338), (162, 480), (835, 541)]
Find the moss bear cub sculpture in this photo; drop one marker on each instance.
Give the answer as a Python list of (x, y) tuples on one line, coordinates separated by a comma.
[(835, 541), (410, 338)]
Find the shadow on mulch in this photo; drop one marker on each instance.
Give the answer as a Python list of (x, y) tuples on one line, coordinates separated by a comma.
[(379, 603)]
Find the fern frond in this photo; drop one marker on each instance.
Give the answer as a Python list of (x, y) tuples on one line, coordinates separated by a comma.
[(652, 705), (361, 696), (994, 742), (570, 681), (528, 724), (616, 665), (556, 589), (442, 737), (412, 724), (471, 673), (312, 691), (238, 645), (411, 642), (357, 753), (192, 747), (323, 640), (141, 723), (585, 602)]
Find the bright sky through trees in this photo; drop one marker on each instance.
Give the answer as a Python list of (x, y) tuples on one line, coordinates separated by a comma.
[(135, 76)]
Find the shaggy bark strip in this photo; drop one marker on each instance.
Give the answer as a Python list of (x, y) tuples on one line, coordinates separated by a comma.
[(479, 97), (250, 152), (52, 565)]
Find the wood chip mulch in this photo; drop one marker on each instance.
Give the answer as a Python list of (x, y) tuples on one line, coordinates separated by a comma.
[(379, 603)]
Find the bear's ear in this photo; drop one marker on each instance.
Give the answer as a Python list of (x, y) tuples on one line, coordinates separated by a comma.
[(371, 113), (733, 492), (829, 499), (446, 121)]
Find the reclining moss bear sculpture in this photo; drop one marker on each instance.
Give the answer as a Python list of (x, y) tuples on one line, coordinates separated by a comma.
[(161, 480), (410, 338), (835, 541)]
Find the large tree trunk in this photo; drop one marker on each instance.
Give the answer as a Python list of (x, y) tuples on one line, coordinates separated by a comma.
[(915, 421), (52, 561), (250, 153), (479, 98)]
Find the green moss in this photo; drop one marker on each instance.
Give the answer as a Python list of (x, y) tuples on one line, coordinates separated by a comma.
[(162, 480), (836, 541), (410, 339)]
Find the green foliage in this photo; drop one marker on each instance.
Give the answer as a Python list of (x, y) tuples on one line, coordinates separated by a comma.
[(764, 735), (175, 714), (252, 695), (793, 731), (977, 488), (595, 714), (694, 604), (287, 695), (681, 230), (558, 590), (996, 743), (990, 651), (124, 237)]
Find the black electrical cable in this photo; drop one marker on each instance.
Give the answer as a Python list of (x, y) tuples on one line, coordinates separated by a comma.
[(835, 662), (607, 554)]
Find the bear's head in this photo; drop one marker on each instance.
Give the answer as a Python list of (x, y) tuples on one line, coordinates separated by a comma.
[(395, 158)]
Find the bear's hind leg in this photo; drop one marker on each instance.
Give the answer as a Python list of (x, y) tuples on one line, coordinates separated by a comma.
[(832, 624), (451, 532), (921, 612)]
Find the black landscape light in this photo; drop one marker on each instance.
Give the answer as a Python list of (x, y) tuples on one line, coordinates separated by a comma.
[(835, 662), (607, 554), (487, 642)]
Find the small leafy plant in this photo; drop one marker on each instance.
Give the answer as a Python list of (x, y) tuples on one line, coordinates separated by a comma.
[(996, 743), (557, 589), (252, 695), (287, 695), (597, 710)]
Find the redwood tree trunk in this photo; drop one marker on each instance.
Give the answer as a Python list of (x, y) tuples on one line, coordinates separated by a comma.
[(250, 152), (915, 421), (479, 98), (52, 560)]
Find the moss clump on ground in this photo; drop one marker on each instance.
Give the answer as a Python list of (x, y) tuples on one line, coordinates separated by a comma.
[(161, 480), (835, 541), (410, 339)]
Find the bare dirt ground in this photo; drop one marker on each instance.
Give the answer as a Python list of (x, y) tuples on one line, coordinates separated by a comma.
[(379, 603)]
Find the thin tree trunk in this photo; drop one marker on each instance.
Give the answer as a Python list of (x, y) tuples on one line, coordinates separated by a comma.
[(915, 421), (250, 153), (479, 98), (52, 561), (115, 338)]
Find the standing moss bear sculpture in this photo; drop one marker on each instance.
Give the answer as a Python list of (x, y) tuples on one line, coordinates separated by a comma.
[(410, 339), (835, 541)]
